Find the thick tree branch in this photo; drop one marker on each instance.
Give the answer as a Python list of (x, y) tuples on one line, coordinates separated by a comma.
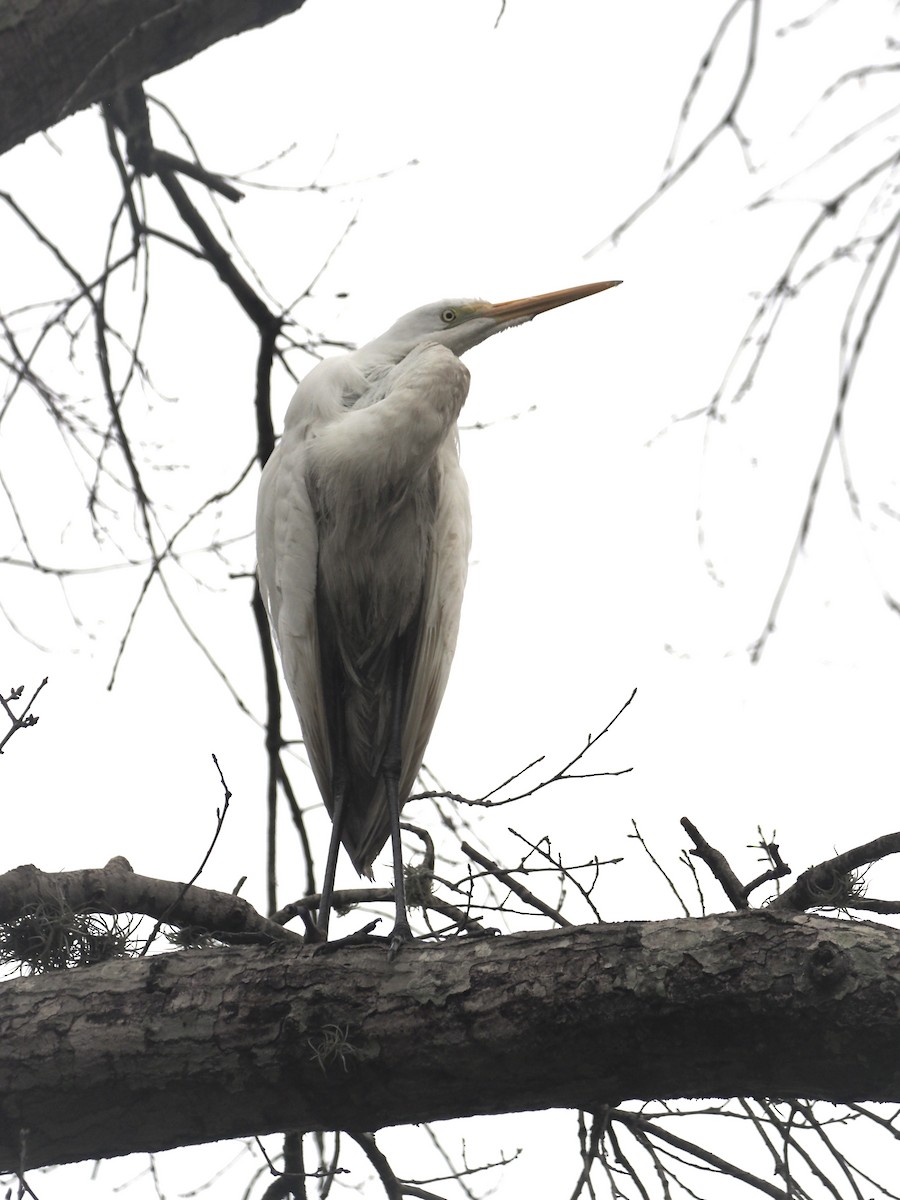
[(124, 41), (201, 1045)]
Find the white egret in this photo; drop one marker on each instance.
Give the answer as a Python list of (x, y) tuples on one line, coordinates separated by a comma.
[(363, 534)]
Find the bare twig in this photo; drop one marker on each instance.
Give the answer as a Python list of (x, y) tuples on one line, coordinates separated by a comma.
[(888, 237), (26, 719), (568, 872), (564, 772), (728, 121), (651, 1130), (221, 814), (639, 837), (513, 884)]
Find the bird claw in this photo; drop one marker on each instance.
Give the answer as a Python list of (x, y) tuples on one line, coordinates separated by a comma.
[(400, 934)]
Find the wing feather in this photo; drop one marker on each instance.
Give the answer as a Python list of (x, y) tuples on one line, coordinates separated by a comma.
[(288, 548), (441, 608), (437, 629), (364, 531)]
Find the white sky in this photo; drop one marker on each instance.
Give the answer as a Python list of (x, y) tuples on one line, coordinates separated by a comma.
[(532, 140)]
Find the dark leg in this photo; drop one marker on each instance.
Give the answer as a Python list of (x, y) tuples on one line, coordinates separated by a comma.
[(401, 932), (391, 774), (331, 863)]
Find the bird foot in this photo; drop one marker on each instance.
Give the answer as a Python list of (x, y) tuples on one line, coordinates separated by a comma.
[(400, 934)]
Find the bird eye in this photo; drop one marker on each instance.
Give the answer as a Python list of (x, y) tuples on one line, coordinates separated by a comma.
[(448, 316)]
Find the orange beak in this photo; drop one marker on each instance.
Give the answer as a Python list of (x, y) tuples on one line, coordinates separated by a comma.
[(524, 310)]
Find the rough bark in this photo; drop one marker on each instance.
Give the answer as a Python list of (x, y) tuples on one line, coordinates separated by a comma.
[(201, 1045), (116, 888), (58, 58)]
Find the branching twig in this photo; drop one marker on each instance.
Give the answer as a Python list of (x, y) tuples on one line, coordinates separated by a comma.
[(486, 800), (727, 122), (513, 884), (650, 1130), (569, 872), (718, 864), (24, 720)]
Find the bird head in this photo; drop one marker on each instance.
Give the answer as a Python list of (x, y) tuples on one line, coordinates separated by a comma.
[(461, 324)]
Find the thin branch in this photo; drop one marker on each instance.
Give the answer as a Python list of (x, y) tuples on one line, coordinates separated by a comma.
[(389, 1180), (636, 1124), (514, 886), (23, 720), (727, 122), (834, 432), (638, 836), (221, 814), (562, 773)]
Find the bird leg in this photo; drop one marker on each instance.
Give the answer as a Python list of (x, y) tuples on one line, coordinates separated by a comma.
[(401, 932), (337, 822), (391, 767)]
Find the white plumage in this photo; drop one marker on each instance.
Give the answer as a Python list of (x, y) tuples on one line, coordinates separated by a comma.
[(363, 534)]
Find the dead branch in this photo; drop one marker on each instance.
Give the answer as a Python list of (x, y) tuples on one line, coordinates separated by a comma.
[(736, 892), (518, 889), (116, 889), (833, 883)]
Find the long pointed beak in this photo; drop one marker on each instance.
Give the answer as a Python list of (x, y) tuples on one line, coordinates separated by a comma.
[(524, 310)]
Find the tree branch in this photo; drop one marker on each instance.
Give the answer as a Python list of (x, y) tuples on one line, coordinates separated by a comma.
[(126, 41), (116, 889), (194, 1046)]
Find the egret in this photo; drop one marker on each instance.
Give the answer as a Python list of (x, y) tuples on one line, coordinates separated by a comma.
[(363, 535)]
